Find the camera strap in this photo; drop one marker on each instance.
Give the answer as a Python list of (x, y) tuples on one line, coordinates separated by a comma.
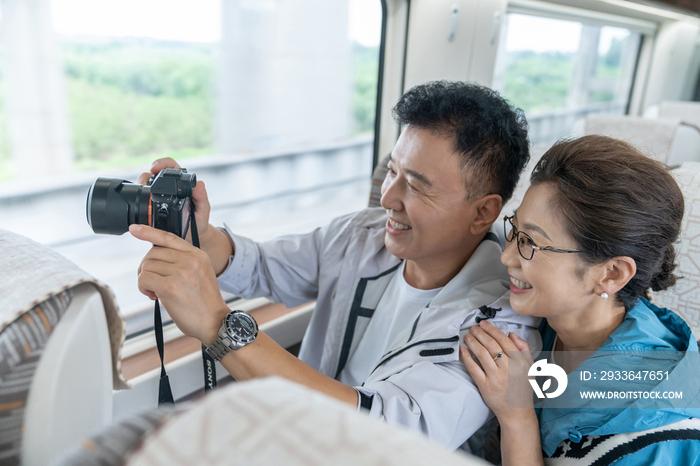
[(165, 394), (208, 361)]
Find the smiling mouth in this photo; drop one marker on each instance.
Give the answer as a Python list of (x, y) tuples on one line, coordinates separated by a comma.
[(519, 284), (398, 226)]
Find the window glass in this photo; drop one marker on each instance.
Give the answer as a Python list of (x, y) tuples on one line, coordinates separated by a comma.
[(558, 71), (270, 102), (7, 169)]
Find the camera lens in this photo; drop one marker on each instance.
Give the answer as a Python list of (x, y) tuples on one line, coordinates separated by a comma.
[(114, 204)]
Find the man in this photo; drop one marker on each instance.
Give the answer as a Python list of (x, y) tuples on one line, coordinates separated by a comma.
[(396, 287)]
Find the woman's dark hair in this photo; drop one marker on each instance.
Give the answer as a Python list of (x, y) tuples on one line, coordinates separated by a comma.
[(489, 133), (616, 202)]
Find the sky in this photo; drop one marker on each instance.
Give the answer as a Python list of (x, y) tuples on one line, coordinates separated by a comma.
[(181, 20)]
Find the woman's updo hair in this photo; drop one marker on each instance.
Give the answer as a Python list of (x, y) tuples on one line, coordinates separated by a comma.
[(616, 202)]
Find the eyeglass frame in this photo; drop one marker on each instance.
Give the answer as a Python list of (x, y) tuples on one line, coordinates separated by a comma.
[(509, 219)]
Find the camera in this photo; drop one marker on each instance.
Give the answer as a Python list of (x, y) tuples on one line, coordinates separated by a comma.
[(114, 204)]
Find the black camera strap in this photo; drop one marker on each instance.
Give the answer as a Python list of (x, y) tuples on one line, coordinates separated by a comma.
[(208, 361), (165, 394)]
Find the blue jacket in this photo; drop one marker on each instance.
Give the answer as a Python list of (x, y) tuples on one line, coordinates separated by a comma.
[(634, 431)]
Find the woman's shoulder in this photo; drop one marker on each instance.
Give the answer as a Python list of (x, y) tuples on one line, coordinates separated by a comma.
[(648, 327)]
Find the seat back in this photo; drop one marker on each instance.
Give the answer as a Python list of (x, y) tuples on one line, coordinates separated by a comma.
[(667, 140), (688, 112), (60, 342), (684, 297), (536, 153), (71, 391), (378, 175)]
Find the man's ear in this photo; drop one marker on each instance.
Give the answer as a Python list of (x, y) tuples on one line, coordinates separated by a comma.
[(617, 272), (488, 208)]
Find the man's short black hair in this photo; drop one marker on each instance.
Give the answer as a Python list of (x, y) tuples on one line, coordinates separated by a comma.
[(490, 134)]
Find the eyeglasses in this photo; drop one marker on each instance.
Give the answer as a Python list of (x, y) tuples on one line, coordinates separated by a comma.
[(526, 247)]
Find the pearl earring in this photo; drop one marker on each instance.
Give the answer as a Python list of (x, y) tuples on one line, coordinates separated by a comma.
[(604, 295)]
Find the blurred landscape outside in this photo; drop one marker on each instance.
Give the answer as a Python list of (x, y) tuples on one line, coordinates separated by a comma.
[(134, 99), (271, 102), (558, 71)]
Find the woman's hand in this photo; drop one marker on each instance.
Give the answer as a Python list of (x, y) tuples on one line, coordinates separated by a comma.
[(502, 380)]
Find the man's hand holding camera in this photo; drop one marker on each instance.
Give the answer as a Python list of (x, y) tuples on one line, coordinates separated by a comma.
[(212, 240), (182, 277)]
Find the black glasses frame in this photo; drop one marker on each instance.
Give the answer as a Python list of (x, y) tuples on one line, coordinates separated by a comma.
[(514, 232)]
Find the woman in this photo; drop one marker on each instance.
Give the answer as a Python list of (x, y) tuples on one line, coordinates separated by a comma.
[(594, 232)]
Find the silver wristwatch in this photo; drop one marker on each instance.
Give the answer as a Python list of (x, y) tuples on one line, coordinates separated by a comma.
[(237, 330)]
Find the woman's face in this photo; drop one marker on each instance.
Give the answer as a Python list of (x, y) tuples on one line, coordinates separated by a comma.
[(550, 283)]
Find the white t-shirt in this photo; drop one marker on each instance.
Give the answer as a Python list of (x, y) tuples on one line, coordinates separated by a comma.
[(389, 327)]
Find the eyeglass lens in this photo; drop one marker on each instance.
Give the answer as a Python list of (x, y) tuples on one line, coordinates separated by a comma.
[(525, 243)]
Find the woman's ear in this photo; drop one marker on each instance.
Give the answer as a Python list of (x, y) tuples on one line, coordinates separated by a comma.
[(488, 208), (617, 272)]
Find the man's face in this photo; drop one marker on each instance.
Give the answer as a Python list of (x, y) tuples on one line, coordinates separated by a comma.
[(424, 194)]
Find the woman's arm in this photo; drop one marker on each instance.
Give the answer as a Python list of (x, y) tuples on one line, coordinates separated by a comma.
[(506, 392)]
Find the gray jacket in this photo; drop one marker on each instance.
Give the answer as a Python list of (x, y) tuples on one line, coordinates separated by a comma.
[(345, 268)]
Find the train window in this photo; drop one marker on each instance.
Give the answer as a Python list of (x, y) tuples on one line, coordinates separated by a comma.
[(270, 102), (589, 68), (6, 166)]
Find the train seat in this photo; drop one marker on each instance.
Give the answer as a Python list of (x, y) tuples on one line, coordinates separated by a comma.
[(260, 422), (536, 153), (60, 332), (378, 175), (670, 141), (687, 112), (684, 297)]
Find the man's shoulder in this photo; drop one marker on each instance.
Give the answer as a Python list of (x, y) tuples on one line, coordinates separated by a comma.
[(360, 234)]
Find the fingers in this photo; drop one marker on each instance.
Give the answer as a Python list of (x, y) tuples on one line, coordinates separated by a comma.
[(161, 164), (500, 337), (148, 282), (523, 347), (484, 356), (486, 340), (143, 178), (201, 201), (519, 343), (159, 237), (472, 367), (156, 167)]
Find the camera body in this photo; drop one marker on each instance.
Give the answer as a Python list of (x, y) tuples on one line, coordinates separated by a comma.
[(114, 204), (171, 191)]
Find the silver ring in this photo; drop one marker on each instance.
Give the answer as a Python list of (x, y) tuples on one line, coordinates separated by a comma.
[(498, 356)]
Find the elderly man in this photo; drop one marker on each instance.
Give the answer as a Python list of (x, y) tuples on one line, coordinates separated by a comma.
[(395, 287)]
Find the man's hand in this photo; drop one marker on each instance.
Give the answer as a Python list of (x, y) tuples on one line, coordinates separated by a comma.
[(182, 277), (212, 240), (199, 195)]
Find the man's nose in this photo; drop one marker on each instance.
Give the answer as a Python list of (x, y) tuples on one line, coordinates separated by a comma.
[(391, 194)]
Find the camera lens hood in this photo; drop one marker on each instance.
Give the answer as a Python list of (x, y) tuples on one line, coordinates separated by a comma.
[(114, 204)]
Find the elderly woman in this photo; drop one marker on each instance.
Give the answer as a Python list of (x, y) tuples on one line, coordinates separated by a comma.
[(594, 233)]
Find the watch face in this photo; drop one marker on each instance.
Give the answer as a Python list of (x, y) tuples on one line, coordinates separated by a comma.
[(241, 327)]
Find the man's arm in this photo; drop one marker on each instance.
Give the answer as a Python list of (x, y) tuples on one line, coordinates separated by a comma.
[(438, 399), (183, 278)]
